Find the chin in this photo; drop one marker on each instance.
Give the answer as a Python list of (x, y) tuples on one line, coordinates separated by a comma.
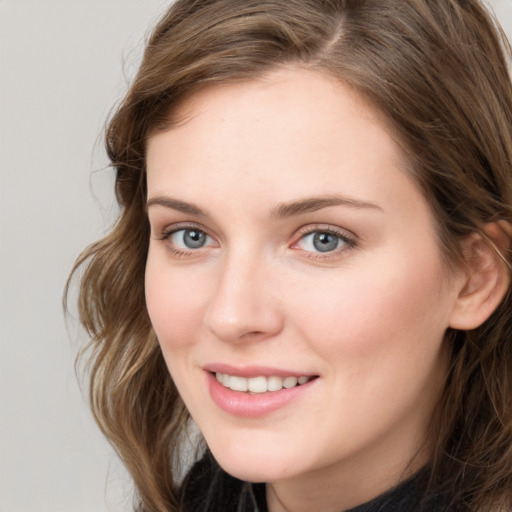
[(250, 472), (254, 463)]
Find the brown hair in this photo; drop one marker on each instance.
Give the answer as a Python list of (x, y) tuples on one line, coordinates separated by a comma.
[(437, 69)]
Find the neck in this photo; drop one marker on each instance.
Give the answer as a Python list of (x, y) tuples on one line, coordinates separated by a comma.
[(343, 486)]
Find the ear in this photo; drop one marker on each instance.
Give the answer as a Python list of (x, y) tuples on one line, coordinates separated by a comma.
[(485, 277)]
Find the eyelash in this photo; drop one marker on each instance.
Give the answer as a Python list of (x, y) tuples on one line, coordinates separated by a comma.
[(168, 232), (348, 241)]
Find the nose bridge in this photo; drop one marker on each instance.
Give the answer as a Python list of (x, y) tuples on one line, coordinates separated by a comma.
[(241, 305)]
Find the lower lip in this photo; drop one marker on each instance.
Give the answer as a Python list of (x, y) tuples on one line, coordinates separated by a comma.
[(252, 405)]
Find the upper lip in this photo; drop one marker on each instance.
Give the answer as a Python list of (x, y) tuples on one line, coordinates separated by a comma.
[(254, 371)]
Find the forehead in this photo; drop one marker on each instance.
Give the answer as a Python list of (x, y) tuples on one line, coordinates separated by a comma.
[(291, 119)]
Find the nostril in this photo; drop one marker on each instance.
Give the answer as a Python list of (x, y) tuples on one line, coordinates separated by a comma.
[(252, 334)]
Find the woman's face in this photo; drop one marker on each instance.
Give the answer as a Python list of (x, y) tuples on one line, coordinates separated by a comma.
[(289, 247)]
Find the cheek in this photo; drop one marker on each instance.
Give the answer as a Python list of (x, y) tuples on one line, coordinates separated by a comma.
[(173, 301), (368, 312)]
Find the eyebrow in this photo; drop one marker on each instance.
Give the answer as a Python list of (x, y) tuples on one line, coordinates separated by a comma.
[(281, 211), (313, 204), (175, 204)]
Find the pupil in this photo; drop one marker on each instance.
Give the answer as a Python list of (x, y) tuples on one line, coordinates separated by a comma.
[(325, 242), (194, 239)]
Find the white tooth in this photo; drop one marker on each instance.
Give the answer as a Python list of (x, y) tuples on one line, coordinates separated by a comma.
[(303, 380), (218, 376), (238, 383), (257, 384), (225, 379), (275, 383), (289, 382)]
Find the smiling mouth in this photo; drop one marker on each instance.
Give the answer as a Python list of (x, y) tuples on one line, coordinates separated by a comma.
[(261, 384)]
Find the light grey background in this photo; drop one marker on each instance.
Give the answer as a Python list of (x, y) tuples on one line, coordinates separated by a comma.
[(63, 64)]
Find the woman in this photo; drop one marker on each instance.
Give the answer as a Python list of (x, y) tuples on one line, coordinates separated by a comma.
[(312, 260)]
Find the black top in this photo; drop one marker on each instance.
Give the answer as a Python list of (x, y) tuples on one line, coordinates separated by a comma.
[(207, 488)]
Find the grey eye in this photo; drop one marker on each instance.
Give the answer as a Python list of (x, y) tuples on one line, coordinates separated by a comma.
[(189, 238), (321, 241), (325, 242), (194, 239)]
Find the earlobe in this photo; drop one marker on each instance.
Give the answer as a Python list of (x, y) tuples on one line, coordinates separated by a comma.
[(485, 277)]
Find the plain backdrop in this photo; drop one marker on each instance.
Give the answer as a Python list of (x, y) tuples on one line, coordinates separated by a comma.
[(63, 65)]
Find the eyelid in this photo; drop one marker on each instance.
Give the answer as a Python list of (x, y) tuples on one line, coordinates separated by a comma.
[(349, 239), (168, 230), (346, 236), (164, 236)]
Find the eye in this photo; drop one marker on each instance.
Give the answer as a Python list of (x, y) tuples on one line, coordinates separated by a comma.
[(324, 241), (189, 239)]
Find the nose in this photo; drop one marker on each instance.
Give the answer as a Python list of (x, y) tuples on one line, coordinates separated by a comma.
[(243, 306)]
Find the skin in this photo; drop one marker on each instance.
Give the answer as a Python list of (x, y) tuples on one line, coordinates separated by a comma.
[(367, 318)]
